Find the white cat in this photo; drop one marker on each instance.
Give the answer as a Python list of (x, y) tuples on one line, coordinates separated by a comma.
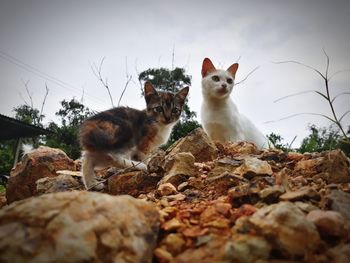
[(220, 117)]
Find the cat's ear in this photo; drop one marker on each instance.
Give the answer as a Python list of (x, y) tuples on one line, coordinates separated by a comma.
[(182, 94), (149, 90), (207, 67), (233, 69)]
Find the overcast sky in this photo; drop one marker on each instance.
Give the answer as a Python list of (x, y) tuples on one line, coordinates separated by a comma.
[(55, 42)]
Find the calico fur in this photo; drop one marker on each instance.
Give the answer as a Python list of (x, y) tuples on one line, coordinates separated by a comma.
[(123, 137), (219, 115)]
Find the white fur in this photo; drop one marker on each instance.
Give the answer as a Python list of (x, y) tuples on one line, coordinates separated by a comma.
[(220, 116)]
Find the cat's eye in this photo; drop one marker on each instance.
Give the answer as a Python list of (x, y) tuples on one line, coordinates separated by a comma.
[(176, 111), (215, 78), (229, 81), (158, 109)]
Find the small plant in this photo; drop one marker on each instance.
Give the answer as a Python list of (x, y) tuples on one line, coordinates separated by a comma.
[(334, 118)]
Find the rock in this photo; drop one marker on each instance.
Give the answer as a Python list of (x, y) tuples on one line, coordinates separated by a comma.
[(340, 253), (3, 200), (329, 223), (197, 143), (156, 162), (183, 186), (271, 194), (78, 226), (212, 251), (248, 248), (172, 224), (238, 148), (242, 194), (173, 243), (339, 201), (286, 227), (163, 255), (224, 165), (304, 193), (132, 183), (166, 189), (252, 167), (39, 163), (332, 166), (240, 249), (178, 168), (60, 183)]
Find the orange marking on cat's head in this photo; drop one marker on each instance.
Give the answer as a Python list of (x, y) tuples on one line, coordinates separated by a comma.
[(207, 67)]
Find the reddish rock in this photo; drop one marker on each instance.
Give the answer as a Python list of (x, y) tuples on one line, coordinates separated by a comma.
[(39, 163), (285, 225), (60, 183), (178, 168), (332, 166), (132, 183), (329, 223), (78, 227), (197, 143)]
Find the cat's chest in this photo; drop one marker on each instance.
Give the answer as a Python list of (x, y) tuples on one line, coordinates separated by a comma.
[(156, 136), (225, 113)]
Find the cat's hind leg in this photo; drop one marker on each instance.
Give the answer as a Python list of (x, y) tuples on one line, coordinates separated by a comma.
[(88, 174)]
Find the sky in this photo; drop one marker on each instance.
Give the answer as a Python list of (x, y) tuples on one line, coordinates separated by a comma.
[(54, 43)]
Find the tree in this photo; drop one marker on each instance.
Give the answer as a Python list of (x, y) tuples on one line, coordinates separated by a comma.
[(65, 135), (324, 139), (173, 80), (277, 141)]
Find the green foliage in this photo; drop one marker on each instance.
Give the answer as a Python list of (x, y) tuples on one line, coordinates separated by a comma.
[(323, 139), (2, 189), (7, 155), (320, 139), (277, 141), (173, 80), (29, 115), (65, 135)]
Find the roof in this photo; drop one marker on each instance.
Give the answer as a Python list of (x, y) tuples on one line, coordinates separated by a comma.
[(14, 129)]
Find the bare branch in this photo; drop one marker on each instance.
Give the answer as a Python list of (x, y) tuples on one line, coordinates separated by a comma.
[(28, 93), (347, 112), (303, 113), (290, 145), (173, 58), (302, 64), (82, 96), (25, 102), (98, 73), (293, 95), (44, 100), (340, 94), (338, 72), (126, 85), (138, 74), (327, 65), (246, 77)]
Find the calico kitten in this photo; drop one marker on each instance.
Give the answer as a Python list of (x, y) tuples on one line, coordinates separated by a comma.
[(219, 115), (122, 137)]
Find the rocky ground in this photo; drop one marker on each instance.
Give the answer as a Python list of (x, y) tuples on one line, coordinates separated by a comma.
[(198, 202)]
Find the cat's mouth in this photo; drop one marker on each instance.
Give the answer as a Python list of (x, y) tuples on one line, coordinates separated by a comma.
[(222, 91)]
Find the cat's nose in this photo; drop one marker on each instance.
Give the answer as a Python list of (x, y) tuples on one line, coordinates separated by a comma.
[(224, 85)]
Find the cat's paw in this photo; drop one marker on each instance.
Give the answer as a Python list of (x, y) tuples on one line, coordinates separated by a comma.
[(97, 186), (140, 166)]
